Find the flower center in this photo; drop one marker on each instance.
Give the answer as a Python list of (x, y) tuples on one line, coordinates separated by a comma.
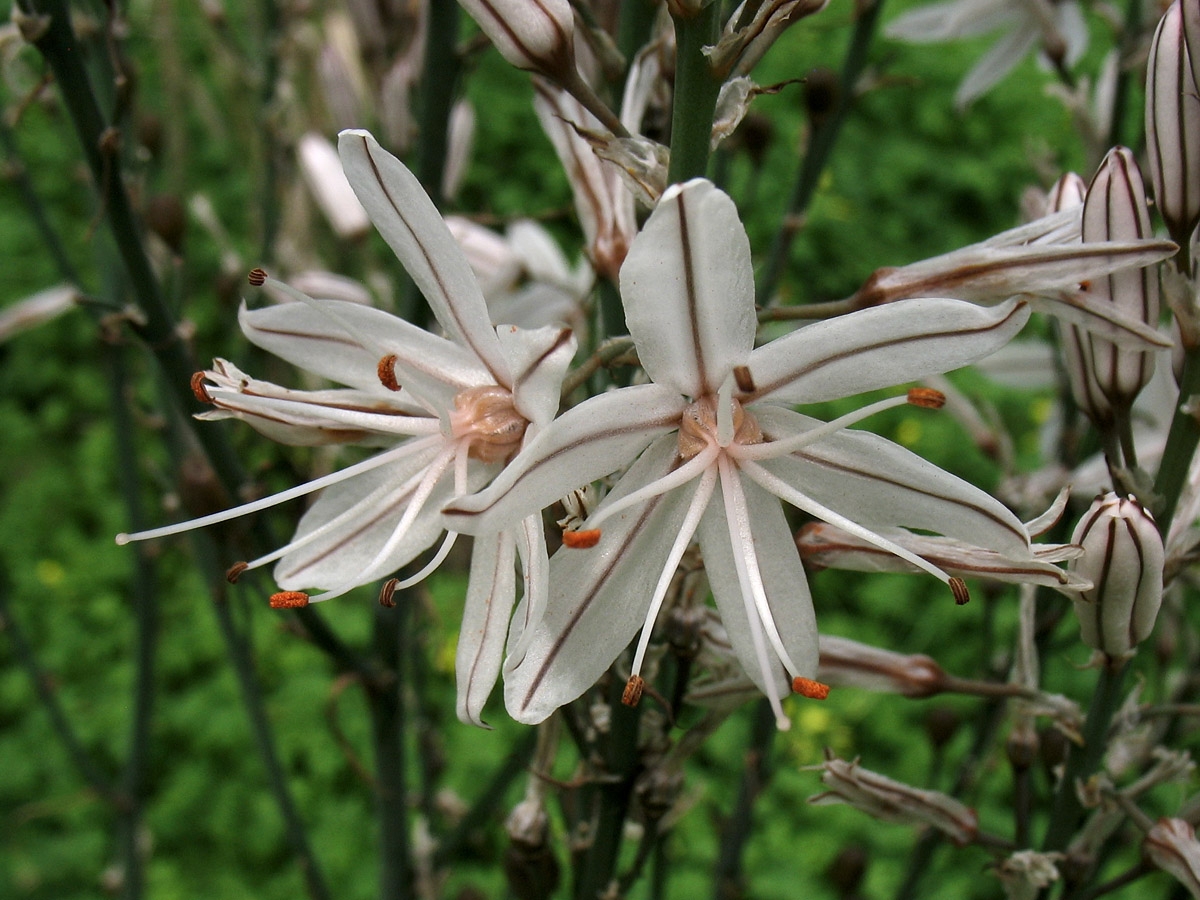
[(487, 418), (698, 426)]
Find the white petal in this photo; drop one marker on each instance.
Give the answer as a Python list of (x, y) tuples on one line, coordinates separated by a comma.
[(538, 360), (414, 229), (688, 290), (588, 442), (951, 20), (997, 62), (599, 596), (880, 347), (878, 484), (783, 579), (490, 594), (344, 552), (345, 341)]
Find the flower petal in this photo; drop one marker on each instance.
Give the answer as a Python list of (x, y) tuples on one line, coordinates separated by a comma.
[(490, 595), (344, 342), (537, 359), (588, 442), (783, 580), (414, 229), (878, 484), (599, 597), (880, 347), (367, 517), (688, 290)]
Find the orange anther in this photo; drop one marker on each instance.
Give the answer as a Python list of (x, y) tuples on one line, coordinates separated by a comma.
[(581, 540), (926, 397), (806, 687), (258, 277), (387, 372), (199, 389), (289, 600), (234, 572), (632, 694)]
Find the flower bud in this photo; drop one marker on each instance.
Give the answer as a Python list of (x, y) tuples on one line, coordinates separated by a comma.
[(1171, 845), (537, 35), (1173, 126), (847, 663), (1123, 558), (891, 801), (322, 170), (1104, 376)]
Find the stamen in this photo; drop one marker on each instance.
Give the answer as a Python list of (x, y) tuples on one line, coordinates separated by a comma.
[(927, 398), (199, 389), (581, 540), (289, 600), (429, 481), (687, 528), (632, 695), (363, 510), (743, 378), (737, 514), (258, 277), (430, 567), (673, 479), (282, 497), (725, 412), (806, 687), (386, 370), (387, 592), (958, 588), (802, 501), (784, 446), (234, 572)]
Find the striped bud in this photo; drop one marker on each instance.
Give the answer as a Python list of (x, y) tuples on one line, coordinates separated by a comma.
[(537, 35), (891, 801), (1123, 558), (1172, 846), (1173, 125), (1104, 376)]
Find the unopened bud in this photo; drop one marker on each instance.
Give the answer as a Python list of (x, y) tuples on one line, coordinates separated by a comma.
[(1104, 376), (1173, 126), (1171, 845), (529, 864), (531, 34), (891, 801), (1123, 558), (1066, 193), (330, 189), (847, 663)]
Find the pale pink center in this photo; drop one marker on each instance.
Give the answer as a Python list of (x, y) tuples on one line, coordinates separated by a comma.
[(698, 427), (487, 418)]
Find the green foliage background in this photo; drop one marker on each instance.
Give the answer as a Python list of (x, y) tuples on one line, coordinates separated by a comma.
[(911, 177)]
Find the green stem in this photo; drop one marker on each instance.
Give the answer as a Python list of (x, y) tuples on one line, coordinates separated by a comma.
[(388, 727), (727, 877), (820, 146), (696, 89), (1130, 35), (1181, 445), (438, 84), (1082, 762), (613, 790)]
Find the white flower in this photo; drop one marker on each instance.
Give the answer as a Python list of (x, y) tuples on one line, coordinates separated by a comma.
[(466, 405), (716, 422), (1058, 26)]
